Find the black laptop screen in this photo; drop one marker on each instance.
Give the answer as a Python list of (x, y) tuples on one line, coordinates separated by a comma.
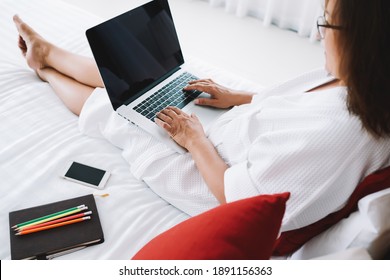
[(136, 50)]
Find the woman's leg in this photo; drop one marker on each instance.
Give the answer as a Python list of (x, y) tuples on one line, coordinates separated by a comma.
[(80, 68), (70, 91), (40, 53)]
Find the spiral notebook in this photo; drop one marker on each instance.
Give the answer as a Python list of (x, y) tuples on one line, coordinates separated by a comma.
[(55, 242)]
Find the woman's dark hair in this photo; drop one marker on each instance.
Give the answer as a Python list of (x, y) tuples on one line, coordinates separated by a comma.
[(364, 47)]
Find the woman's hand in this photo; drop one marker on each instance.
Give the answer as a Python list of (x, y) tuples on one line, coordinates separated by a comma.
[(188, 132), (220, 96), (183, 128)]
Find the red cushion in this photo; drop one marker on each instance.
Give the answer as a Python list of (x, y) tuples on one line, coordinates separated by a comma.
[(290, 241), (244, 229)]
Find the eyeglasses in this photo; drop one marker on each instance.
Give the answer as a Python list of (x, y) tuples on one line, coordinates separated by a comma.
[(322, 24)]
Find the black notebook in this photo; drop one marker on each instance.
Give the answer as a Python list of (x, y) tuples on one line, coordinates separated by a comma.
[(54, 242)]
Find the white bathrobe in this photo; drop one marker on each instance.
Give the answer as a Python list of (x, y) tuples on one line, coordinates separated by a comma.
[(286, 140)]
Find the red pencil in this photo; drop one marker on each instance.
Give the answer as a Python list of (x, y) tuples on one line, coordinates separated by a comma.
[(55, 221), (23, 232)]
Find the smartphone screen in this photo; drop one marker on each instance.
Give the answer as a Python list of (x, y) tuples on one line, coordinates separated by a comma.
[(84, 173)]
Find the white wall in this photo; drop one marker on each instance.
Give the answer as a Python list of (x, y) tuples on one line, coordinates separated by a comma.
[(241, 45)]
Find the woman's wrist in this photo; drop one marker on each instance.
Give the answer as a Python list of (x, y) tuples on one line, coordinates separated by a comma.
[(197, 143), (210, 165), (241, 97)]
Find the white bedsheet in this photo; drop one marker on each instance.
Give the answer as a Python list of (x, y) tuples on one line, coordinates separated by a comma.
[(38, 135)]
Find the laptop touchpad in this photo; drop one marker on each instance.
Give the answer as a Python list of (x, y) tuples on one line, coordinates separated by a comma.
[(205, 114)]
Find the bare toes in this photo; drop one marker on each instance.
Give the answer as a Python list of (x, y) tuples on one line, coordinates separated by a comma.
[(32, 45)]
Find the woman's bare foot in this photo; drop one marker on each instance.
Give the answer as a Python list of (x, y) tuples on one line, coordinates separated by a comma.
[(42, 72), (34, 48)]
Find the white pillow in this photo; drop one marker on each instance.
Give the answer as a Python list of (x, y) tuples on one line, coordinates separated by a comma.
[(375, 236), (368, 228), (349, 254)]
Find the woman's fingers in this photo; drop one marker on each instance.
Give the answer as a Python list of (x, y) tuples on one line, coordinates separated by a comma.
[(164, 117), (195, 117), (211, 90), (207, 102), (169, 116), (163, 124), (201, 81), (171, 112), (169, 120), (176, 110), (180, 126), (166, 122), (196, 86), (202, 85)]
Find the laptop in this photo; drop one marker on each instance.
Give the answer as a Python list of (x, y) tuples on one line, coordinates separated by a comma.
[(142, 66)]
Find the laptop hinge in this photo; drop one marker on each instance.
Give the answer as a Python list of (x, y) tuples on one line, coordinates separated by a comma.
[(152, 85)]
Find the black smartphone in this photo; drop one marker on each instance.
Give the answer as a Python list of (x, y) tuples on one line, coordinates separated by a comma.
[(87, 175)]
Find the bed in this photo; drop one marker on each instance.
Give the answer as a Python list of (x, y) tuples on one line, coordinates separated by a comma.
[(38, 135)]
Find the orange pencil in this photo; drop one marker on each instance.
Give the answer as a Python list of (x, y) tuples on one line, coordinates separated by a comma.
[(23, 232), (55, 221)]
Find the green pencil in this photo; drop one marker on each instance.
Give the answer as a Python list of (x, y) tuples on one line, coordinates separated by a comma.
[(38, 220)]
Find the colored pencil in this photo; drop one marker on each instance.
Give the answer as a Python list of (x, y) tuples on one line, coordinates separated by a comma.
[(27, 227), (47, 216), (23, 232), (54, 217)]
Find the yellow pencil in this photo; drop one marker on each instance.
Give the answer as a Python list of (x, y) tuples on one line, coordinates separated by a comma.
[(47, 216), (28, 231), (82, 208)]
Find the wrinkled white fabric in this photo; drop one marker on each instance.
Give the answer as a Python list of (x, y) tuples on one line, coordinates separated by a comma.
[(286, 140)]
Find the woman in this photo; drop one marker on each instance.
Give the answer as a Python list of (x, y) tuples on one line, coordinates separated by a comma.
[(316, 136)]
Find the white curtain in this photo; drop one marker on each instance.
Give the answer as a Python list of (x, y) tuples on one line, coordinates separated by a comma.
[(297, 15)]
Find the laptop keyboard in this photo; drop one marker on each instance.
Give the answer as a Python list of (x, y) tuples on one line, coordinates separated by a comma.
[(170, 95)]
